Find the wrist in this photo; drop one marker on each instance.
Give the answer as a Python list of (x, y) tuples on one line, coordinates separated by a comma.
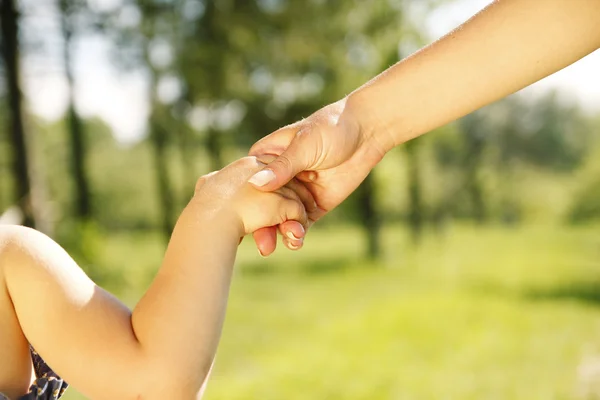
[(216, 213), (374, 130)]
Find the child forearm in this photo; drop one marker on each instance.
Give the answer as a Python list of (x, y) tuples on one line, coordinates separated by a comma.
[(178, 321), (509, 45)]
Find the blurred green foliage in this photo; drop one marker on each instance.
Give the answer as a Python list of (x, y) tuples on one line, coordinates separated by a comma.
[(474, 313), (497, 296), (240, 69)]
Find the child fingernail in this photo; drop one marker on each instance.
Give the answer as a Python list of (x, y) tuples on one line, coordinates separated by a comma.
[(262, 178), (291, 235), (261, 254)]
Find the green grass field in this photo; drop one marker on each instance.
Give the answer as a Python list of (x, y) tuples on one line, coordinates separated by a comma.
[(490, 313)]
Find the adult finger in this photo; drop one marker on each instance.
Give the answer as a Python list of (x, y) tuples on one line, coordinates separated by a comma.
[(275, 143), (303, 194), (300, 155)]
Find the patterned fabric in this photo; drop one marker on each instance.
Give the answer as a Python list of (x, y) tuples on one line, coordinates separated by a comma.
[(47, 386)]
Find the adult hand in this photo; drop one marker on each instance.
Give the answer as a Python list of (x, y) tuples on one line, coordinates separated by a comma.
[(331, 152)]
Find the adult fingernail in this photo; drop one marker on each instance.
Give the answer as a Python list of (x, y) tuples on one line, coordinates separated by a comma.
[(262, 178), (261, 254)]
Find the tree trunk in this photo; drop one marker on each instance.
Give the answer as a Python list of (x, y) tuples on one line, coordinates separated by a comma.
[(476, 193), (216, 84), (186, 150), (10, 53), (4, 201), (213, 146), (475, 146), (415, 205), (369, 217), (158, 138), (76, 132)]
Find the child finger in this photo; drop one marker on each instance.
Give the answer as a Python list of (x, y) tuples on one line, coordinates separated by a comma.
[(292, 244), (291, 195), (293, 210), (266, 240), (303, 194), (293, 233)]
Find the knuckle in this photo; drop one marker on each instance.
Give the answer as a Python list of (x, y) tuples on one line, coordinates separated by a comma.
[(283, 215), (284, 162), (297, 212), (199, 184), (266, 158), (203, 179), (305, 132), (290, 193), (247, 161)]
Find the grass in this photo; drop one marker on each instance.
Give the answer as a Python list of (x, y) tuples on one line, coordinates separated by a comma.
[(492, 313)]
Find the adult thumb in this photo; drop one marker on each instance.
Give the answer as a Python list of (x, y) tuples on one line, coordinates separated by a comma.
[(295, 159)]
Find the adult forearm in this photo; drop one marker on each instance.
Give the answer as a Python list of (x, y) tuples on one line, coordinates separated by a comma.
[(509, 45)]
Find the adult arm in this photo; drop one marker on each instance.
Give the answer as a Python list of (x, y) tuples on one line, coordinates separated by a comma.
[(508, 45)]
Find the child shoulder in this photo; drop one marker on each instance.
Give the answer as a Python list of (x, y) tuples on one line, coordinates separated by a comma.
[(7, 230), (20, 234)]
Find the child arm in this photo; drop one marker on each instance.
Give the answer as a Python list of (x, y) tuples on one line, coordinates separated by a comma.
[(165, 348)]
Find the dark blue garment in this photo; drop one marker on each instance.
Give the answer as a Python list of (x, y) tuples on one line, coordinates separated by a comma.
[(47, 385)]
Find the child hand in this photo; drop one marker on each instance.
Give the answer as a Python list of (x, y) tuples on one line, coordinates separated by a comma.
[(227, 194)]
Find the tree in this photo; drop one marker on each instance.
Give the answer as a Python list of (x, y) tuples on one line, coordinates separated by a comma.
[(9, 21), (415, 199), (474, 131), (506, 137), (158, 20), (69, 10), (260, 60), (549, 133), (369, 217), (5, 192), (159, 140), (212, 39), (4, 179)]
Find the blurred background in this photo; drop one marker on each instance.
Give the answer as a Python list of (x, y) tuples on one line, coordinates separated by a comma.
[(465, 267)]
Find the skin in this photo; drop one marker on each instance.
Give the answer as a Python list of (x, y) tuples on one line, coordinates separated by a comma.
[(504, 48), (165, 347)]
